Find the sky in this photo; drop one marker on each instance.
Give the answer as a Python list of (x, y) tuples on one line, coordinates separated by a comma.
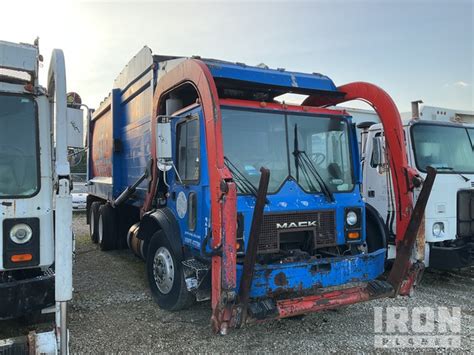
[(413, 49)]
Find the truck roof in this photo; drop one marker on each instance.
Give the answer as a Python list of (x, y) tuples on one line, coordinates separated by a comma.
[(274, 81), (233, 80)]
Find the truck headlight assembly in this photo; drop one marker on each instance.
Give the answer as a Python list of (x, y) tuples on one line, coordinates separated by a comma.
[(353, 224), (438, 229), (351, 218), (21, 233)]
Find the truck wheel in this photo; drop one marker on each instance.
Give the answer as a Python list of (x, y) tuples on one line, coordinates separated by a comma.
[(106, 228), (94, 219), (165, 275), (375, 240)]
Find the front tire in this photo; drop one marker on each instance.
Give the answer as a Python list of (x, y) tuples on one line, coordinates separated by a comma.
[(165, 275)]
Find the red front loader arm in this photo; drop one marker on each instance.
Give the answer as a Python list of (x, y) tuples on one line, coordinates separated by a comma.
[(394, 137), (403, 176)]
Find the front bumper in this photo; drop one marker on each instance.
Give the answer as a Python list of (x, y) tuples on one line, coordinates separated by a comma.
[(454, 256), (309, 276), (18, 298)]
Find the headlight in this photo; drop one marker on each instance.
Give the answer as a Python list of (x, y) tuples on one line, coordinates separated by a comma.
[(21, 233), (438, 229), (351, 218)]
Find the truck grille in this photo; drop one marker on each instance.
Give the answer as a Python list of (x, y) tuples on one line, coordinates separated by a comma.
[(465, 227), (322, 226)]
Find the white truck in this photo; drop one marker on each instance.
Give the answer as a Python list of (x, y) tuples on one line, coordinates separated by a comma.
[(434, 136), (36, 240)]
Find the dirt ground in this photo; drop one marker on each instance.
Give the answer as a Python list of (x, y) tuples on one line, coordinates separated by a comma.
[(112, 311)]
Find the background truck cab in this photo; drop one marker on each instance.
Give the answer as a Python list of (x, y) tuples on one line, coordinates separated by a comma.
[(36, 240), (437, 137)]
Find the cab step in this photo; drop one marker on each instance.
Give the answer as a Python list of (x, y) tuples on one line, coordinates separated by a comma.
[(196, 274), (379, 288), (195, 265)]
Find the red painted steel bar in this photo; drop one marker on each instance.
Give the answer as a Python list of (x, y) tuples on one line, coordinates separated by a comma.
[(304, 305)]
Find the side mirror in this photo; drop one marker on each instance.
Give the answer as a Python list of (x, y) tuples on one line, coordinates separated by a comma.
[(163, 143), (75, 128)]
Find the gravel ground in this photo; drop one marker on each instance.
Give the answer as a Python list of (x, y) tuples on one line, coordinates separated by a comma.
[(112, 311)]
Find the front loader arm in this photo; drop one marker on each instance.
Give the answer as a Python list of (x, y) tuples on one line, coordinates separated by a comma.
[(404, 177)]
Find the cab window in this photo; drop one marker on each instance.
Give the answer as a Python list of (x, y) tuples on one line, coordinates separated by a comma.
[(188, 162)]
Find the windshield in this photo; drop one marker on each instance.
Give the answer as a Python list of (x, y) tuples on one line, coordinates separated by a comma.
[(18, 147), (253, 139), (444, 147)]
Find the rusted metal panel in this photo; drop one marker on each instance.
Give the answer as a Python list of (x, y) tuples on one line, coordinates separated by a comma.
[(420, 241), (404, 270), (304, 305), (229, 239)]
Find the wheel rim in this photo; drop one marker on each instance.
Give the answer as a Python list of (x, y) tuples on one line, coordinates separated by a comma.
[(101, 229), (163, 270)]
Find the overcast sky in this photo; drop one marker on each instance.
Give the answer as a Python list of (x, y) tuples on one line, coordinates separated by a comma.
[(413, 49)]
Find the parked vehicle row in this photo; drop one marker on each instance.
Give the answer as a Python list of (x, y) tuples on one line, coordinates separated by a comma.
[(267, 209)]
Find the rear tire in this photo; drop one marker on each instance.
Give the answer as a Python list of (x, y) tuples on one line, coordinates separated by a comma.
[(165, 275), (106, 228), (93, 221)]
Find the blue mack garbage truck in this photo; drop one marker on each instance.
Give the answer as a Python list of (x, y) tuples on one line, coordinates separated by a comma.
[(232, 195)]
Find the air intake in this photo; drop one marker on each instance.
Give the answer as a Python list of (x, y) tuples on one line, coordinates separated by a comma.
[(465, 206), (321, 224)]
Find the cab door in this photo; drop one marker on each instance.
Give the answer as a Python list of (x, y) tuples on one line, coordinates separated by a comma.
[(189, 185), (375, 178)]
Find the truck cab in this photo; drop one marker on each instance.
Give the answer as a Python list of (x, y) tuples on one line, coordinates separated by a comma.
[(314, 212), (26, 184), (448, 147)]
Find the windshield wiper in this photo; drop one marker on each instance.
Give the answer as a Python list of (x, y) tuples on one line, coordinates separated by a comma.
[(466, 179), (242, 182), (302, 159)]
